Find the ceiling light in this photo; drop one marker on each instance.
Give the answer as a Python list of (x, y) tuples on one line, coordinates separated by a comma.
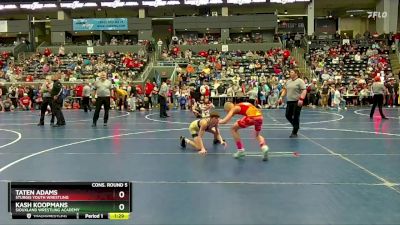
[(202, 2), (118, 3), (155, 3), (8, 7), (288, 1), (90, 4), (73, 5), (131, 3)]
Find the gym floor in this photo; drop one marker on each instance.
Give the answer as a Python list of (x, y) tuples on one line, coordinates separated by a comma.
[(342, 169)]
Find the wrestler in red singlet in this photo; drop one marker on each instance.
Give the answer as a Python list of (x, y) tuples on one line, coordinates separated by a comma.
[(252, 117)]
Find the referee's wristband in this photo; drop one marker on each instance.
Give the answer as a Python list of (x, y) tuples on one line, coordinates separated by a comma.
[(301, 99)]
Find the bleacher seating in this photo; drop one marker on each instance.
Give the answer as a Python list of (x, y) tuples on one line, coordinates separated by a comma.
[(347, 65), (35, 65), (247, 67)]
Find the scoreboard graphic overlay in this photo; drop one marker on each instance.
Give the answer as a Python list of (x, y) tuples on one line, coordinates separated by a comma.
[(70, 200)]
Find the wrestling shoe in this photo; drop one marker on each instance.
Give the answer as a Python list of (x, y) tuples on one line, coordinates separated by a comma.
[(264, 150), (183, 142), (239, 154)]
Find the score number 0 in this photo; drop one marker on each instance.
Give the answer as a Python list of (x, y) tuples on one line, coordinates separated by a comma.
[(121, 206)]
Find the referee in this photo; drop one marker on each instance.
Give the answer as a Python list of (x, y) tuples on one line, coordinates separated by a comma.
[(378, 89), (103, 91), (295, 92), (47, 101), (56, 93), (162, 99)]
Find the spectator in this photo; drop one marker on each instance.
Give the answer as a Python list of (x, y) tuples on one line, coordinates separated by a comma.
[(86, 97), (149, 92), (273, 100), (253, 95), (7, 105), (25, 102), (61, 51), (313, 93), (159, 44), (324, 94)]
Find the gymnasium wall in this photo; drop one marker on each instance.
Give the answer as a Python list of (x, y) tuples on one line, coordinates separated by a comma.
[(357, 25)]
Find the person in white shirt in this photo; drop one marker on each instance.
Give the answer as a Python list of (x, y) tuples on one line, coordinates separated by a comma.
[(61, 50), (364, 95), (159, 44), (357, 57), (253, 95), (335, 60), (205, 89), (230, 92), (338, 100), (175, 40), (273, 100), (141, 53), (206, 107), (86, 97), (113, 41)]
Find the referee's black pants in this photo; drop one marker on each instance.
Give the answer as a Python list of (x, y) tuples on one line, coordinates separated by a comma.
[(47, 101), (293, 115), (56, 108), (377, 100), (101, 101), (86, 104), (163, 105)]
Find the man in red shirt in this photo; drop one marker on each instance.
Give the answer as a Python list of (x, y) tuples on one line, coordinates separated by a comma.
[(139, 89), (25, 102), (79, 93), (148, 91), (21, 91), (29, 78)]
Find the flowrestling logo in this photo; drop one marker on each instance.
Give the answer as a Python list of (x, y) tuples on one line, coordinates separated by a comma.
[(379, 15)]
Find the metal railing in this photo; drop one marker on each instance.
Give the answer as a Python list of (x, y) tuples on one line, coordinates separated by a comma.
[(166, 63), (38, 83), (174, 74), (398, 49), (302, 62), (146, 71)]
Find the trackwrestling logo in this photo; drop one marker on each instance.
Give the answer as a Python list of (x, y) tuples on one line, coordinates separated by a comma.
[(379, 15)]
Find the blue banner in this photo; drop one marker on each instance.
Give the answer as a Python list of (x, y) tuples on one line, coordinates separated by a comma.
[(100, 24)]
